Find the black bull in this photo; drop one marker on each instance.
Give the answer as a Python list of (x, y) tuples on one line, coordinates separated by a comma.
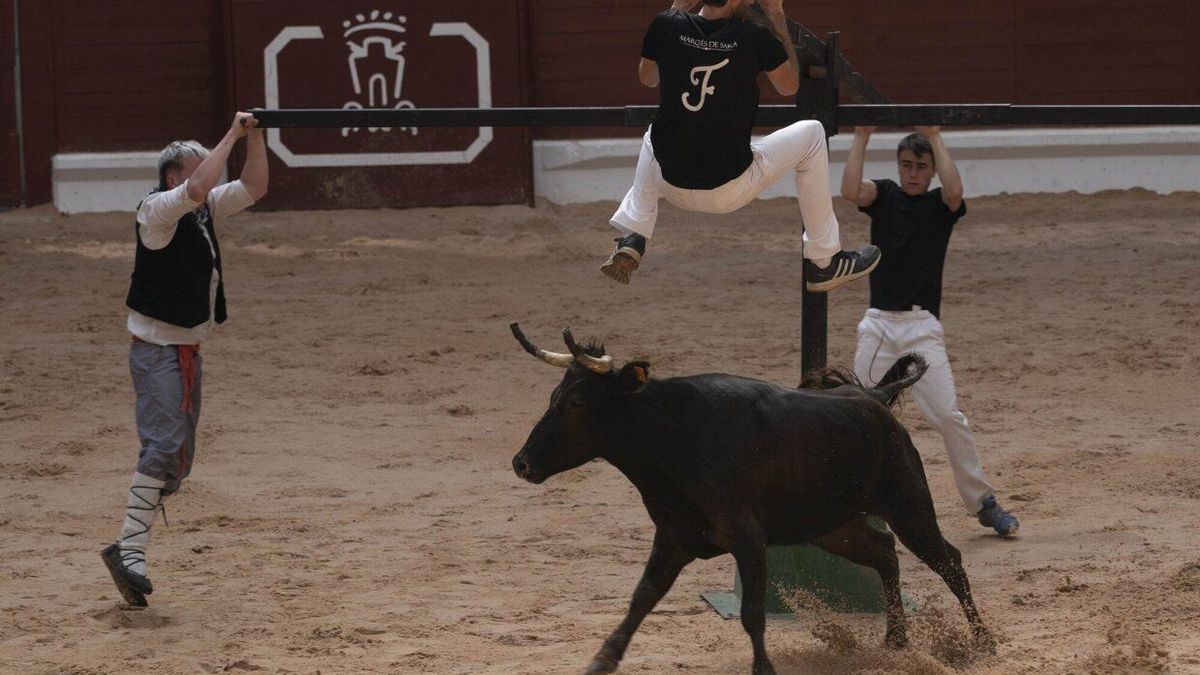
[(727, 464)]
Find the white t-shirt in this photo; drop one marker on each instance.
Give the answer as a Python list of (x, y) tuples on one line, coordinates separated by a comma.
[(157, 219)]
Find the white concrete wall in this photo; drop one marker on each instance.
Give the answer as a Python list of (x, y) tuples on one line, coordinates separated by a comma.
[(1161, 159), (92, 182), (103, 181)]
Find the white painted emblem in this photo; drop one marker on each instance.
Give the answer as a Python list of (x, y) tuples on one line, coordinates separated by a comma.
[(705, 90), (383, 84), (380, 88)]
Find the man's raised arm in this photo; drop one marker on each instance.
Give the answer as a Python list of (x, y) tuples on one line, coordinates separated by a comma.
[(861, 192), (785, 78), (947, 171)]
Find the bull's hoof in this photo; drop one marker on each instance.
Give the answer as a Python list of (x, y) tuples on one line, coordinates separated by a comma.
[(985, 642), (896, 639), (601, 664), (763, 667)]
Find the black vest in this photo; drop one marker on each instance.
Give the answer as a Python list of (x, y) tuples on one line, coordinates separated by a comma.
[(172, 283)]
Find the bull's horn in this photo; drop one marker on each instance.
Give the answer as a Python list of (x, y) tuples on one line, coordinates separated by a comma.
[(554, 359), (601, 364)]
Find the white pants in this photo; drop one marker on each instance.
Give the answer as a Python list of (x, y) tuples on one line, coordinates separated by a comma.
[(883, 337), (799, 147)]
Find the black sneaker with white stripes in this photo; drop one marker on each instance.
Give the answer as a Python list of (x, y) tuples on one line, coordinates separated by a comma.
[(846, 266), (625, 258)]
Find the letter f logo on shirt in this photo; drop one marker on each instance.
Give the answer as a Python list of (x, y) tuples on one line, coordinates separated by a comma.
[(704, 88)]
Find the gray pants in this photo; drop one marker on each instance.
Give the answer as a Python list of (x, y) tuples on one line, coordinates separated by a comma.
[(168, 434)]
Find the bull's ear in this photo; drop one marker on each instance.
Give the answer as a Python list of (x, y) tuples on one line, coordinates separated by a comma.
[(633, 377)]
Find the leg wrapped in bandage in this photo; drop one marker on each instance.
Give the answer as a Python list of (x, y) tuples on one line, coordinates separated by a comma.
[(126, 558)]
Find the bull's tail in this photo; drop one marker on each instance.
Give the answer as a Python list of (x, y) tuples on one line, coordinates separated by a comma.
[(903, 374)]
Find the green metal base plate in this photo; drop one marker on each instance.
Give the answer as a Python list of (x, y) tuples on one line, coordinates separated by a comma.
[(729, 605), (836, 582)]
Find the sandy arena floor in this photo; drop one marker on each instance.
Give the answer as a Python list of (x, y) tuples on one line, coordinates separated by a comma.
[(353, 509)]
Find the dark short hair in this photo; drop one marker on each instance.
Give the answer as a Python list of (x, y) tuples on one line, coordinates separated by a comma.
[(918, 144), (715, 3)]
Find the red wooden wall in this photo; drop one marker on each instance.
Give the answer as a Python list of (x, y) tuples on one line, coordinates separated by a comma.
[(1020, 51), (931, 51), (138, 74), (128, 74), (125, 76), (1109, 51)]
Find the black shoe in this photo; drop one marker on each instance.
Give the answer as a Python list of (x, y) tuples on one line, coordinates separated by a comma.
[(133, 586), (846, 266), (625, 258)]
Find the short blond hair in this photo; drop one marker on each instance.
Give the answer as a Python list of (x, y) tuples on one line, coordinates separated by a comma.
[(171, 158)]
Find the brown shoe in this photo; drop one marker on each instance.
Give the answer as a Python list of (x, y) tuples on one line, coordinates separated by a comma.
[(625, 258)]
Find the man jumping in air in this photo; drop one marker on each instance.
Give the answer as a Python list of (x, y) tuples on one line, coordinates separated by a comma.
[(698, 153)]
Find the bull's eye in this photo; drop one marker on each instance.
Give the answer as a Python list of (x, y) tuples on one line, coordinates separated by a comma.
[(575, 402)]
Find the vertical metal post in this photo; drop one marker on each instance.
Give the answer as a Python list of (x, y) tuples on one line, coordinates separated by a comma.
[(814, 313), (19, 99), (832, 82)]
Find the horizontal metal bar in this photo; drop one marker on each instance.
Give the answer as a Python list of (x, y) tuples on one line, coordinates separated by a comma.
[(628, 116), (988, 114), (1000, 114), (457, 117)]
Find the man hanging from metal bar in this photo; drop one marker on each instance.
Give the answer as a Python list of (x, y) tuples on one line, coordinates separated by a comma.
[(698, 153), (175, 297), (912, 224)]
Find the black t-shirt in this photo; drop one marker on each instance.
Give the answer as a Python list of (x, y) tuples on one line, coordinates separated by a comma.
[(912, 233), (708, 72)]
